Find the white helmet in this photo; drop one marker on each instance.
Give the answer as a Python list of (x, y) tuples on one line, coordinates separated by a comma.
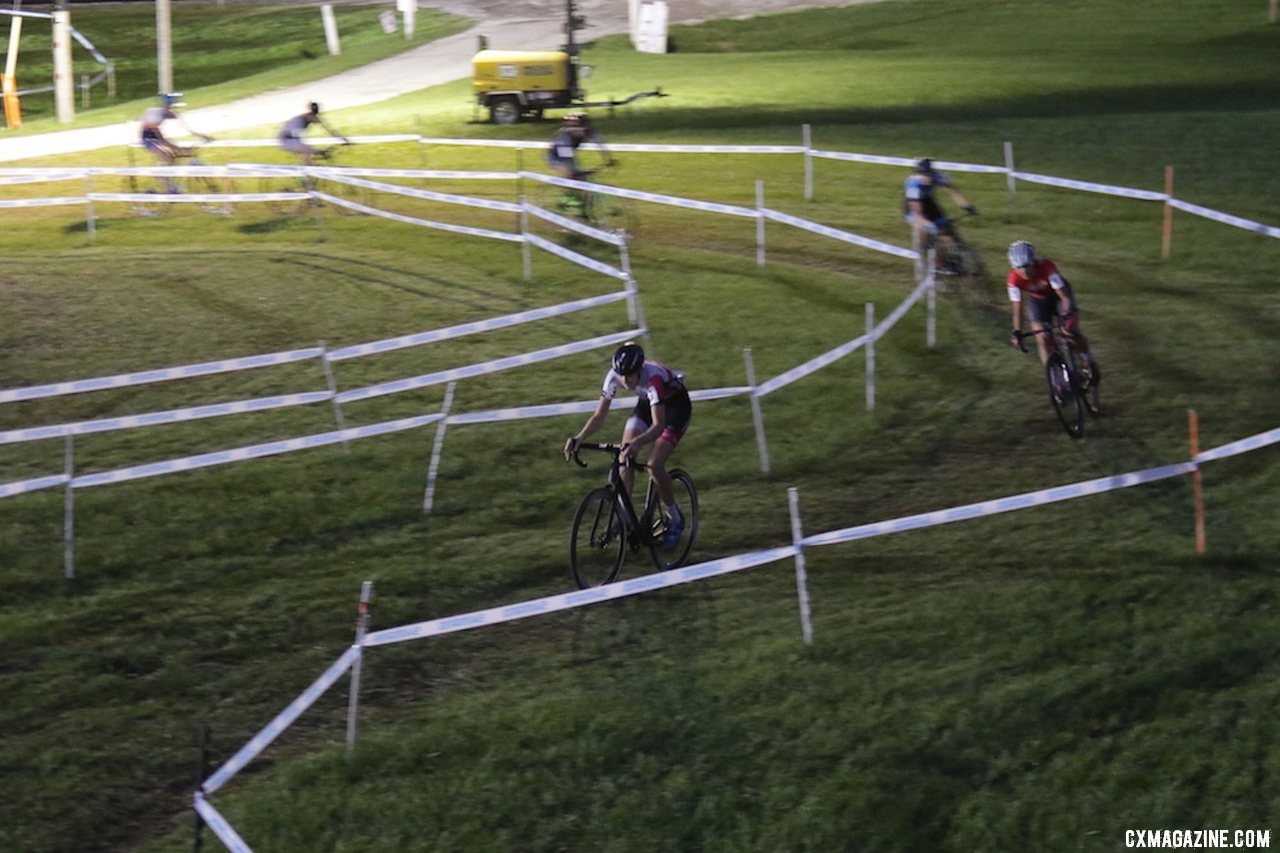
[(1021, 254)]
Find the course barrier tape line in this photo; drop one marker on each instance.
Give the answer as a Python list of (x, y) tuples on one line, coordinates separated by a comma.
[(836, 234), (43, 177), (1243, 445), (1226, 218), (197, 198), (1000, 505), (397, 386), (463, 329), (576, 257), (1085, 186), (412, 192), (577, 225), (721, 393), (580, 598), (44, 202), (8, 490), (282, 721), (218, 824), (546, 410), (638, 195), (424, 223), (144, 377), (257, 451), (214, 410), (831, 356)]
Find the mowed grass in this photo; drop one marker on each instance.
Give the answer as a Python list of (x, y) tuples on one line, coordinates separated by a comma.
[(1042, 680)]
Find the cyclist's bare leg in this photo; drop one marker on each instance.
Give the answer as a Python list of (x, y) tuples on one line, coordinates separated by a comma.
[(662, 451), (634, 428), (1042, 341)]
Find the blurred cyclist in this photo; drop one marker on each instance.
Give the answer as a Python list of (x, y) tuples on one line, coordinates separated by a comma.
[(661, 416), (921, 210), (563, 153), (291, 132), (153, 139), (1048, 294)]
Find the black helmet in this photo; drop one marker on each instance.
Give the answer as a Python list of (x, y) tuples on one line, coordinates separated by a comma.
[(924, 164), (628, 358)]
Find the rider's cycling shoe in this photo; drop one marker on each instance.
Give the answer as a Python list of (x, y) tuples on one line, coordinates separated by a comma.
[(672, 537)]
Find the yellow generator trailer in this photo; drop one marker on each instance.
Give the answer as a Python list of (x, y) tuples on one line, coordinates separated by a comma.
[(514, 84)]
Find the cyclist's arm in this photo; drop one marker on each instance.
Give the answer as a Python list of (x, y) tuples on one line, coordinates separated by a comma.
[(333, 132), (604, 151), (657, 414), (592, 425), (1015, 302), (1060, 288), (182, 120), (957, 197)]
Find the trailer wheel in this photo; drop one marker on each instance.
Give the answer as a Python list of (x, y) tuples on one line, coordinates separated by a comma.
[(504, 111)]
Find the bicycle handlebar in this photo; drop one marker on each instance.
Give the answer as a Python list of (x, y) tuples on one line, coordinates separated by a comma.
[(606, 447)]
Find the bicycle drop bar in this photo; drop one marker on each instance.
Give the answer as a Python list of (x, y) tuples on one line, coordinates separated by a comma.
[(615, 449)]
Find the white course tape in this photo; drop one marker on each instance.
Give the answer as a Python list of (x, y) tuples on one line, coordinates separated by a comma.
[(1085, 186), (218, 824), (569, 600), (720, 393), (836, 234), (283, 720), (10, 177), (8, 490), (576, 257), (424, 223), (864, 158), (656, 198), (44, 202), (573, 224), (215, 410), (166, 374), (411, 383), (520, 413), (1226, 218), (1243, 445), (1000, 505), (257, 451), (464, 329), (344, 176)]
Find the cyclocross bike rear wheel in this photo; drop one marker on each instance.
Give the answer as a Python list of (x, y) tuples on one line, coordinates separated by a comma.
[(687, 500)]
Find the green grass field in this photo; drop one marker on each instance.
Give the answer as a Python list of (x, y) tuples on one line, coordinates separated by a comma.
[(1041, 680)]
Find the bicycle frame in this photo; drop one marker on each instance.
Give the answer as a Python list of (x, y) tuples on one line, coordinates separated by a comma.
[(642, 523)]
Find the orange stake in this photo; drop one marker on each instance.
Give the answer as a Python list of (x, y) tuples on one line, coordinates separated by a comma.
[(1197, 485), (1166, 233)]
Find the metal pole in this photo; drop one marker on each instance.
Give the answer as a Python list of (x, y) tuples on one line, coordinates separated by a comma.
[(802, 576), (353, 701), (757, 417), (759, 223), (871, 356), (433, 469), (1010, 181), (808, 162)]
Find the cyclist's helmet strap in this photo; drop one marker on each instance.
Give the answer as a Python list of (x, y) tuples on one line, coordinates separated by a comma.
[(628, 358), (1021, 254)]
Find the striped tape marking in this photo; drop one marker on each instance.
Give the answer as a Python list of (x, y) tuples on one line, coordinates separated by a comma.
[(581, 598), (424, 223), (124, 380), (283, 720), (836, 234), (656, 198), (576, 257), (520, 413), (218, 824), (570, 224), (44, 202), (464, 329), (257, 451), (260, 404), (8, 490), (412, 192), (397, 386), (1000, 505), (1085, 186), (1226, 218), (1243, 445)]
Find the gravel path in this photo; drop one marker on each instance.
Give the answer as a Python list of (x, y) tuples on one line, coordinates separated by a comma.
[(507, 24)]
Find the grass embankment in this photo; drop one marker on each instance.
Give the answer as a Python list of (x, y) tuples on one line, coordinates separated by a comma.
[(1044, 680)]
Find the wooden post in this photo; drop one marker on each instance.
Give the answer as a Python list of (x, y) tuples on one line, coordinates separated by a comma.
[(1273, 12), (1197, 485), (1166, 234)]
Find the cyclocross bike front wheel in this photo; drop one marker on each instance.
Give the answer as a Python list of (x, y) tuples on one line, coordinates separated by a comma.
[(598, 539)]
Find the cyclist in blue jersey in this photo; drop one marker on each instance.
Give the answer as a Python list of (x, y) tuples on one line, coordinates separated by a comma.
[(562, 155), (921, 210), (661, 417), (165, 150)]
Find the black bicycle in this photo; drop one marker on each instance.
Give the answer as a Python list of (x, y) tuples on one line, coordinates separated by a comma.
[(597, 209), (606, 523), (1073, 387), (954, 256), (154, 191), (302, 185)]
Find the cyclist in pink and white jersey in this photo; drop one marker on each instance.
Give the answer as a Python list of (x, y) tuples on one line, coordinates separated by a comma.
[(661, 417), (1047, 293)]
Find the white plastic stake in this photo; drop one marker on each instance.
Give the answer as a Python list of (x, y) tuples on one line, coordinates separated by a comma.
[(759, 223), (330, 29), (802, 575), (69, 514), (332, 382), (931, 308), (353, 700), (635, 310), (429, 498), (1010, 180), (757, 416), (526, 253), (871, 356), (807, 132)]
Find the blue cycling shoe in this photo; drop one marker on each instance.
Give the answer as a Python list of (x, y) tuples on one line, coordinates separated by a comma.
[(672, 537)]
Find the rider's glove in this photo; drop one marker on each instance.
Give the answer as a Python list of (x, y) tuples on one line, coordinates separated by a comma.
[(1071, 322), (971, 209), (570, 447), (1015, 339)]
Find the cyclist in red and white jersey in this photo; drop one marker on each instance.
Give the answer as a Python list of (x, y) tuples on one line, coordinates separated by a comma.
[(1047, 293), (661, 417)]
